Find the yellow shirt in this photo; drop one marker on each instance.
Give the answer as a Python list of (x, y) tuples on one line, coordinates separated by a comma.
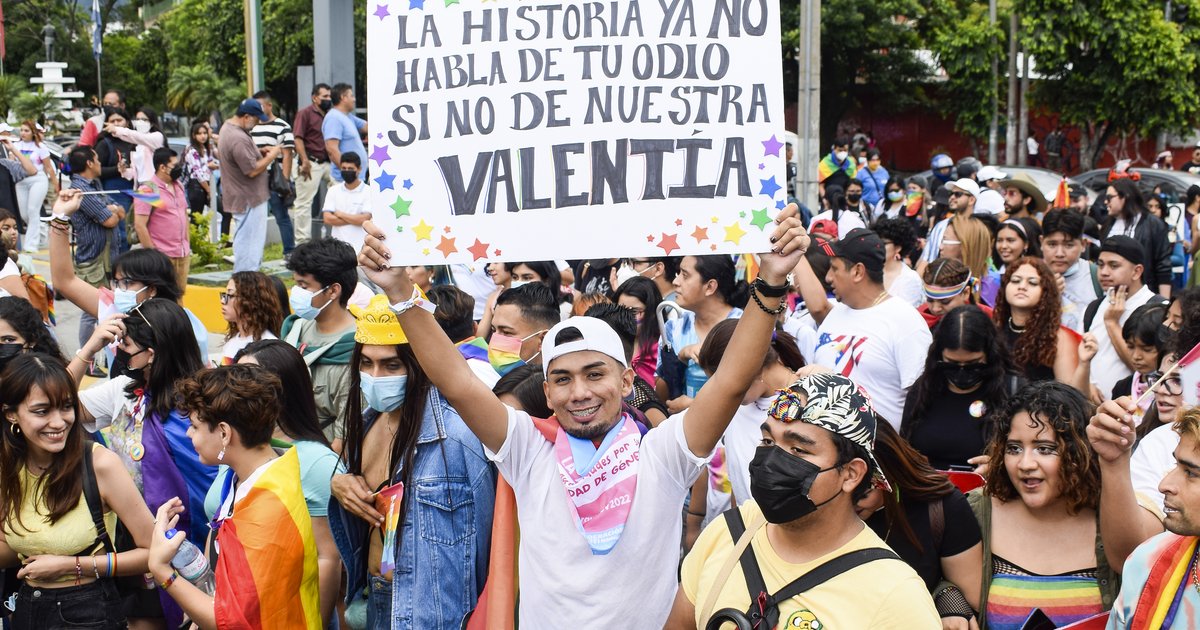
[(880, 594)]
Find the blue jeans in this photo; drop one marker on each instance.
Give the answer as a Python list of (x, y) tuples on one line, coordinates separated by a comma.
[(95, 606), (249, 238), (379, 604), (283, 219)]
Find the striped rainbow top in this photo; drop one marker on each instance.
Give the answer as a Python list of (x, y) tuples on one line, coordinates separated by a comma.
[(1015, 593)]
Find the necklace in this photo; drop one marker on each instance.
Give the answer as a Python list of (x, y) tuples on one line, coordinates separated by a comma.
[(1015, 328), (883, 295)]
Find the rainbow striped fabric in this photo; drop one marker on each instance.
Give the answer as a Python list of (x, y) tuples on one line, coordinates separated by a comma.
[(267, 569), (145, 194), (827, 167), (1165, 584), (1064, 598)]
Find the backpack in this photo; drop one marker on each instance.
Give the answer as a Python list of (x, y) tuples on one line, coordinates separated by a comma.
[(1090, 313)]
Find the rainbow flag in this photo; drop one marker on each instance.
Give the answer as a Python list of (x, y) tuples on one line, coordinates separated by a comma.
[(827, 167), (145, 194), (1062, 196), (1165, 585), (914, 203), (267, 570), (390, 499)]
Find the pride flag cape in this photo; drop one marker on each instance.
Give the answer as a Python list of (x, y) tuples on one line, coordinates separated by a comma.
[(1165, 585), (827, 167), (267, 570)]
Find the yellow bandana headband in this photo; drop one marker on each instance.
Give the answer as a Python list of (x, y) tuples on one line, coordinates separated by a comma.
[(377, 324)]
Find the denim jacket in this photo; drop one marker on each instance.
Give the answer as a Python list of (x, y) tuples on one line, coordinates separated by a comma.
[(442, 550)]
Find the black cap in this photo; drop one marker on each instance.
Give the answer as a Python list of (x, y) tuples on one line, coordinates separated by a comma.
[(861, 246), (1125, 247)]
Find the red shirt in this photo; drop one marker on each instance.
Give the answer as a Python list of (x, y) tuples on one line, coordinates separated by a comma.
[(307, 127)]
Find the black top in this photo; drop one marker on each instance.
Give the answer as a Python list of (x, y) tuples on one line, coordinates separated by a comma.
[(948, 434), (960, 532), (1033, 372)]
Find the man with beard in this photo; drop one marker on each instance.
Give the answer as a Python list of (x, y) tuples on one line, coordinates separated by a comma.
[(814, 463), (596, 500)]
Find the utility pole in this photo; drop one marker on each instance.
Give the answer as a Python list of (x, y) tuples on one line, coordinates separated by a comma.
[(1010, 129), (994, 124), (254, 57), (808, 104), (1023, 129)]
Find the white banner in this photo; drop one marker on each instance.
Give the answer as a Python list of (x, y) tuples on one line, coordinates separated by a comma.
[(506, 130)]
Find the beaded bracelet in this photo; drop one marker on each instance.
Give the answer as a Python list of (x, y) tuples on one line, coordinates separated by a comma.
[(769, 311), (78, 571), (166, 584)]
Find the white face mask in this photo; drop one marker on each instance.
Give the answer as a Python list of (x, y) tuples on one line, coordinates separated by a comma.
[(142, 126), (625, 272), (840, 155), (518, 283)]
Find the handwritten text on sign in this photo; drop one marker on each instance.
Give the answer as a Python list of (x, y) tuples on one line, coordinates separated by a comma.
[(522, 131)]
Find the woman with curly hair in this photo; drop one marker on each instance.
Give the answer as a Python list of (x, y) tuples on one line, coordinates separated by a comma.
[(1029, 314), (968, 376), (1038, 514), (251, 307)]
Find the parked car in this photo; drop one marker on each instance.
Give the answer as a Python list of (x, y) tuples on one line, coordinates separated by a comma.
[(1046, 180), (1178, 181)]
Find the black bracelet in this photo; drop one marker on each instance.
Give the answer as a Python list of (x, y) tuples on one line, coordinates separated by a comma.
[(770, 290), (769, 311)]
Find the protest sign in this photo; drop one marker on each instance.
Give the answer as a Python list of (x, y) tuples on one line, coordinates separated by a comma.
[(507, 130)]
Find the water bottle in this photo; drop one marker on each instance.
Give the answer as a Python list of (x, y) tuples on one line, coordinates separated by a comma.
[(192, 566)]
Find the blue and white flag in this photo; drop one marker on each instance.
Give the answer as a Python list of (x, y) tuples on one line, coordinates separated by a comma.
[(96, 31)]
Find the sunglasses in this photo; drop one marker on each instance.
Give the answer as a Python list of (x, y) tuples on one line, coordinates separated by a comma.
[(958, 193)]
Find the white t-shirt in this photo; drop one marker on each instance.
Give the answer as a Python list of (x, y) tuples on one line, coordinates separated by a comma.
[(1153, 458), (1031, 145), (474, 280), (1107, 367), (881, 348), (36, 153), (633, 586), (356, 201), (741, 438), (104, 401), (9, 269), (801, 325), (847, 220), (235, 345), (908, 287)]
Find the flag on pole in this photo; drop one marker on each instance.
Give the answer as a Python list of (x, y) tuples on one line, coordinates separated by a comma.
[(1189, 375), (3, 47), (96, 32), (1062, 197)]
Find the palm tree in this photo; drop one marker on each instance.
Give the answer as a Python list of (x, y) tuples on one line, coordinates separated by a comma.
[(40, 106), (196, 90), (11, 87)]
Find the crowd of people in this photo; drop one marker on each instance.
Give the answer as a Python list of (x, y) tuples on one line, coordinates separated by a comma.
[(934, 403)]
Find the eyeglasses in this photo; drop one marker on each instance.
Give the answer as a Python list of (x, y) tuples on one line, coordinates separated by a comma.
[(226, 296), (126, 284), (958, 193), (1173, 386), (1110, 197), (947, 241)]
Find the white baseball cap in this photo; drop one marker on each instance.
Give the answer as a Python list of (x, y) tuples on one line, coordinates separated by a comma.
[(596, 335), (990, 172), (966, 185), (989, 201)]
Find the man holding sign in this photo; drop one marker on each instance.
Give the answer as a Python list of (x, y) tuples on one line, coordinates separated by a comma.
[(599, 505)]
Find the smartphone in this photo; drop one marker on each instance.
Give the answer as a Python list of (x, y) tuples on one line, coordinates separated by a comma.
[(1038, 620)]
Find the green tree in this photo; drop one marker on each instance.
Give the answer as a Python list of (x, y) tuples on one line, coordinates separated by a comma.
[(38, 106), (11, 88), (959, 35), (197, 91), (1113, 67)]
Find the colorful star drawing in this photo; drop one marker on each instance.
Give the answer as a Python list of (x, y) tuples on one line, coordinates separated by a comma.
[(734, 233), (386, 181), (423, 230), (380, 155), (715, 219), (649, 238), (668, 243), (700, 234), (478, 250), (761, 166), (416, 4), (381, 11), (713, 247), (450, 2), (761, 220), (678, 222), (780, 205), (400, 207), (407, 184), (772, 146), (446, 229), (769, 187), (425, 252), (496, 252), (447, 246)]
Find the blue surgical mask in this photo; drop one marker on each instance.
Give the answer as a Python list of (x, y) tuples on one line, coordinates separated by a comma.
[(385, 393), (301, 301), (124, 300)]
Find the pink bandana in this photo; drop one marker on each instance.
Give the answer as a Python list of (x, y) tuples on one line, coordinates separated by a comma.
[(602, 495)]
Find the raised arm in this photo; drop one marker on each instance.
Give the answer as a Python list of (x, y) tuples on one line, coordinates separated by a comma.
[(1124, 523), (484, 414), (717, 401), (62, 271)]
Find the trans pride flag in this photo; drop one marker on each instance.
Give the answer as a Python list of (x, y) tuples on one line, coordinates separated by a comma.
[(267, 570)]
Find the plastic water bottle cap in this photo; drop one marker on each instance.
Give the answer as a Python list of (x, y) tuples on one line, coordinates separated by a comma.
[(170, 533)]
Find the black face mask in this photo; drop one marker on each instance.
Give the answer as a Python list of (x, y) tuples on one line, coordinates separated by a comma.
[(176, 173), (120, 365), (349, 176), (964, 377), (853, 198), (325, 105), (8, 352), (780, 483)]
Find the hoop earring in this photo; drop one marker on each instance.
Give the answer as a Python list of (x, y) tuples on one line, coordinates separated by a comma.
[(16, 429)]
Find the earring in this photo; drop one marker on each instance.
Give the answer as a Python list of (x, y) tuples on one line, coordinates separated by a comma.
[(16, 429), (221, 455)]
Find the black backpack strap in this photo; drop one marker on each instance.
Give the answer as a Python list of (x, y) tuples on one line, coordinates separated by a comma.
[(755, 585), (1089, 313), (91, 494), (830, 570)]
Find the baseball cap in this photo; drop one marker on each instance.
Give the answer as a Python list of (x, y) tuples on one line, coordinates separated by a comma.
[(595, 334), (966, 185), (1125, 247), (861, 246), (824, 226), (251, 107), (989, 201), (990, 172), (836, 404)]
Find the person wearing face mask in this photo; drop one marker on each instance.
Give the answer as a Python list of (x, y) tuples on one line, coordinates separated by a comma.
[(244, 184), (968, 374), (321, 327), (874, 178), (402, 431), (641, 295), (136, 411), (837, 168), (313, 167), (814, 463), (453, 313), (164, 225), (348, 204), (521, 319), (147, 136)]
